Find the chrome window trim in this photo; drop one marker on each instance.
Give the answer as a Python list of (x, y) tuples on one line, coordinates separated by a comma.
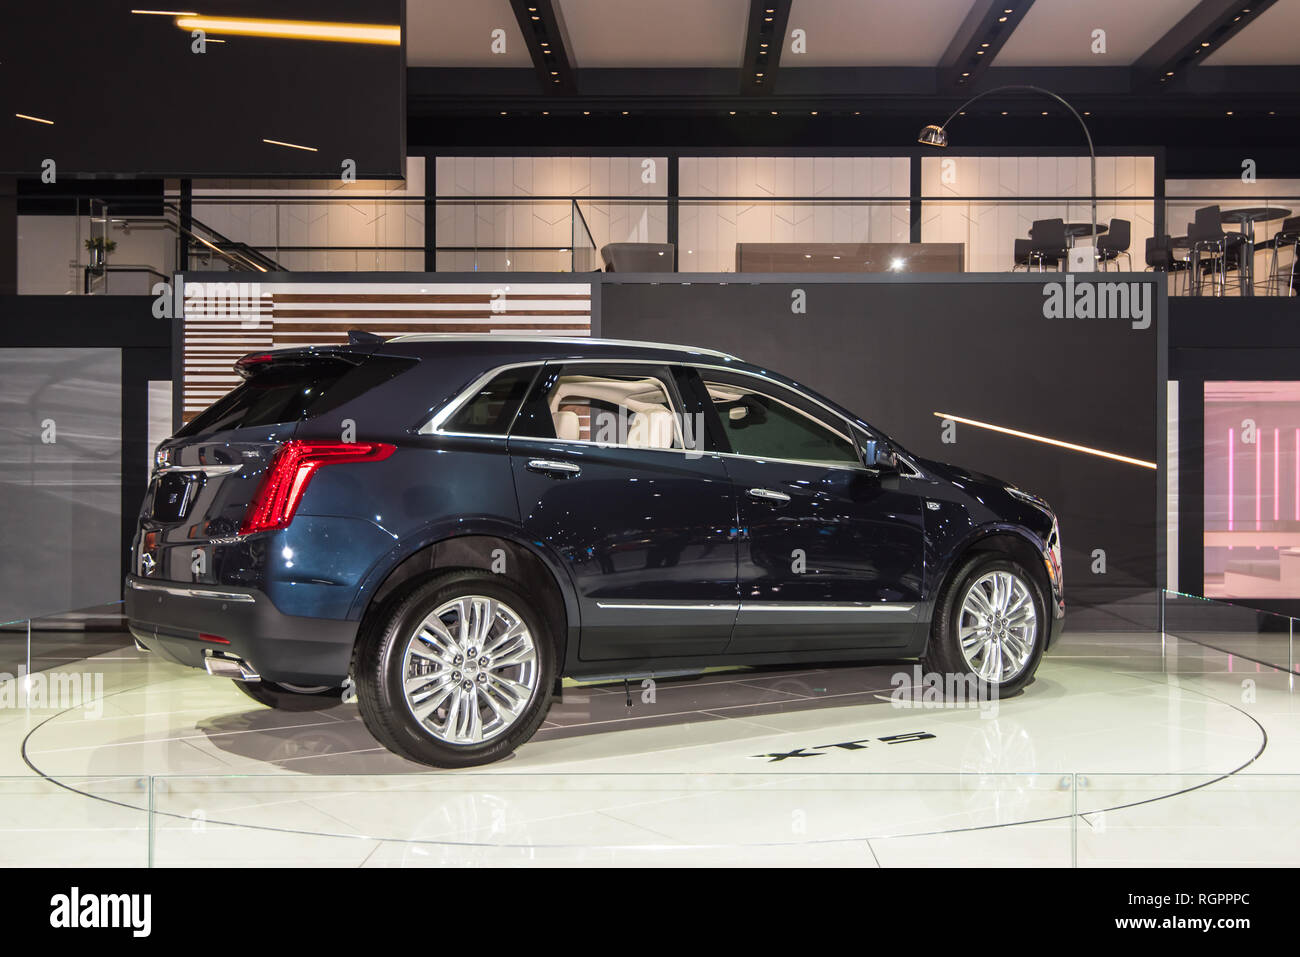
[(193, 591), (602, 445), (433, 425), (849, 424)]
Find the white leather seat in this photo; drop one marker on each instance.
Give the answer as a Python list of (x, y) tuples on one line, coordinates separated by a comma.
[(567, 425), (651, 430)]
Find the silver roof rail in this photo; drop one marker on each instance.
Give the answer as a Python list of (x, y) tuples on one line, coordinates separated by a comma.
[(568, 340)]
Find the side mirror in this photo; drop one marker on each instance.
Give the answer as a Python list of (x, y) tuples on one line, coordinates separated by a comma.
[(879, 456)]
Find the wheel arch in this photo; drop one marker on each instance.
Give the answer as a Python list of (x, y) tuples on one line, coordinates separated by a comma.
[(494, 552), (1005, 540)]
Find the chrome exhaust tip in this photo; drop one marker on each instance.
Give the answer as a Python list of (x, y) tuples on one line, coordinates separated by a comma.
[(228, 666)]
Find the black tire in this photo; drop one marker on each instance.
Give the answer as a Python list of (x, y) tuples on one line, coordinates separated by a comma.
[(380, 670), (943, 654), (290, 697)]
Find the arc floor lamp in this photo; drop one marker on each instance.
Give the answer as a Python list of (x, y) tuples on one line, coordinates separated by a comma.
[(937, 136)]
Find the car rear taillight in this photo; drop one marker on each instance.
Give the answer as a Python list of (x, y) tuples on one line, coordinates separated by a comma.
[(291, 470)]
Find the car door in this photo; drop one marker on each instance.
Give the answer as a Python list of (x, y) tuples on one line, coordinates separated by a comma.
[(830, 552), (610, 476)]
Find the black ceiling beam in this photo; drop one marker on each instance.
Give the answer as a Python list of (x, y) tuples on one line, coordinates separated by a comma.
[(1206, 28), (981, 35), (764, 42), (868, 91), (548, 45)]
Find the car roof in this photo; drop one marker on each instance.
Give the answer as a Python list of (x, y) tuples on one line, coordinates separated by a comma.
[(546, 346)]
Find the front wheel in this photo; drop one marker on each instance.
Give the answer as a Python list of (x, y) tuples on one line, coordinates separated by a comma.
[(458, 673), (990, 625)]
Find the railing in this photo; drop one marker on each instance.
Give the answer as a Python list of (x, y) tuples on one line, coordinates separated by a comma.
[(350, 232)]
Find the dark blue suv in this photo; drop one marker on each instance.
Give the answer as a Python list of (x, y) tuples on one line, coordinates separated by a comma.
[(451, 524)]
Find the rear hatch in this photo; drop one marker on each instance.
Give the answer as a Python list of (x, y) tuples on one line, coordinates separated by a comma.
[(208, 473)]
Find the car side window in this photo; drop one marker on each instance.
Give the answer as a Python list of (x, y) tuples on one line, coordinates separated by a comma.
[(491, 410), (608, 404), (758, 422)]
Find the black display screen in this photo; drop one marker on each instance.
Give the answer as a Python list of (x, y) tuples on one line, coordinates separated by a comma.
[(126, 93)]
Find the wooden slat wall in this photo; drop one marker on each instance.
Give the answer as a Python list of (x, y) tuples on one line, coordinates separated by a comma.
[(276, 315)]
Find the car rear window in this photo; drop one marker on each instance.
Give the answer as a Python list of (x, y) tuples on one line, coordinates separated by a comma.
[(287, 392), (492, 410)]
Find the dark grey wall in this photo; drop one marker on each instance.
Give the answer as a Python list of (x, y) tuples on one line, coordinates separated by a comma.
[(898, 349)]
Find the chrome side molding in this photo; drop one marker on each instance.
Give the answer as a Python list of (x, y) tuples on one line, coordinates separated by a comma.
[(193, 591)]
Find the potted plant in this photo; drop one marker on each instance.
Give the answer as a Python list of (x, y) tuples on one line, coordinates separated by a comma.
[(100, 248)]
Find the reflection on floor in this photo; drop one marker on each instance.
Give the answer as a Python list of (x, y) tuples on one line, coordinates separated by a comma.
[(1192, 756)]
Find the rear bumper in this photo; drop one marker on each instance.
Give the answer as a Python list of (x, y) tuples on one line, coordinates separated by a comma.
[(168, 617)]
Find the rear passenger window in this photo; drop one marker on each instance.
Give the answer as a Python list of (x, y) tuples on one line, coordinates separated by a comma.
[(609, 405), (492, 410)]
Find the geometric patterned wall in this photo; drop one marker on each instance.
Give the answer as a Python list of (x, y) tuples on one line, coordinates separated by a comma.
[(977, 200), (363, 226), (764, 185), (531, 233)]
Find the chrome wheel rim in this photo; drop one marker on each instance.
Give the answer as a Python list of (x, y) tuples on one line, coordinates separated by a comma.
[(998, 626), (470, 670)]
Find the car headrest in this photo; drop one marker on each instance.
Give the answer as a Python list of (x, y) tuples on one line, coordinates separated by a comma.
[(567, 425)]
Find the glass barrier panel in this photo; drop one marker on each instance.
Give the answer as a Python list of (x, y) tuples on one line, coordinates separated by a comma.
[(1188, 820), (506, 818), (1257, 636), (97, 821)]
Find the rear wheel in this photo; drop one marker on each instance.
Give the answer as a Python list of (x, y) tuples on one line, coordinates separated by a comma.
[(458, 673), (990, 625), (286, 697)]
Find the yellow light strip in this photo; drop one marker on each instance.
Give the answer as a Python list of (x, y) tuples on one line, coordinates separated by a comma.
[(167, 13), (293, 146), (1044, 439), (34, 119), (389, 35)]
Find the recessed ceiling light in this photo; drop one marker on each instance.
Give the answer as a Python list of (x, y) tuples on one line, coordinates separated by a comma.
[(586, 112), (758, 74), (965, 74), (546, 112), (774, 113), (1004, 112), (625, 112), (1002, 19), (979, 52), (1170, 73), (1230, 112), (1205, 43), (814, 112), (984, 44), (503, 113), (1044, 112)]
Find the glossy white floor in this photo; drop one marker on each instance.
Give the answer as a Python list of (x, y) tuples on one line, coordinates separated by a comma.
[(1116, 754)]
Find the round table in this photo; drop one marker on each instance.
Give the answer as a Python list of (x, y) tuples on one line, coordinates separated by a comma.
[(1075, 231), (1246, 217)]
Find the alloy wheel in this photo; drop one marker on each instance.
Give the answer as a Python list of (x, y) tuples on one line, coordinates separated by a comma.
[(998, 626), (470, 669)]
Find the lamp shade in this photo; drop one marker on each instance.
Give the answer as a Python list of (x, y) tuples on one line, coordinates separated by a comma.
[(932, 135)]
